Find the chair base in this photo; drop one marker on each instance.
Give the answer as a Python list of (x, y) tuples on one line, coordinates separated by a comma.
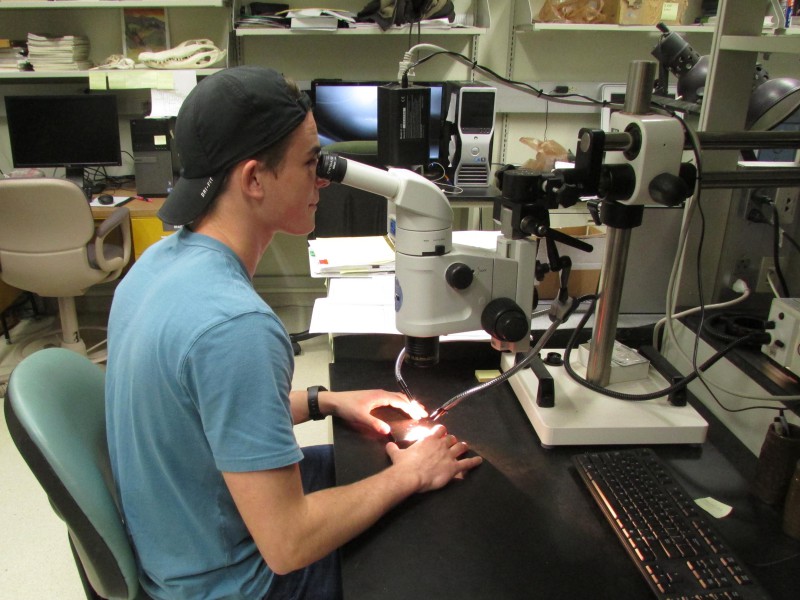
[(32, 335), (52, 340)]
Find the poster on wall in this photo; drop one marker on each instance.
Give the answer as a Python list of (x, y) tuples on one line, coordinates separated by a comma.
[(144, 30)]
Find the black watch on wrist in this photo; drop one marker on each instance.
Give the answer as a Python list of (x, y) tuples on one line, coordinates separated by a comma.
[(314, 412)]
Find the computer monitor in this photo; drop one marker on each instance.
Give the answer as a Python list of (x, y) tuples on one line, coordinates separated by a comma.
[(70, 131), (348, 111)]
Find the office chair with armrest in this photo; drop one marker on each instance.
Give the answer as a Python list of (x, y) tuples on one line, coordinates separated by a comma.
[(55, 412), (49, 246)]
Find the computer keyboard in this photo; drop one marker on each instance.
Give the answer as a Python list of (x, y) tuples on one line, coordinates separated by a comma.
[(670, 540)]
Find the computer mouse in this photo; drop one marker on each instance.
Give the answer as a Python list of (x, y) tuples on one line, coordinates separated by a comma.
[(105, 199)]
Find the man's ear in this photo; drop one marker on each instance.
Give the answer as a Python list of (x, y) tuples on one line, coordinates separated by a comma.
[(251, 178)]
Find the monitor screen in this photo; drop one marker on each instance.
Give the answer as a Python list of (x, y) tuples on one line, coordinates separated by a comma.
[(348, 111), (71, 131)]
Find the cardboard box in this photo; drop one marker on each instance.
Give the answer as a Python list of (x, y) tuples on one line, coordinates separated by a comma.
[(651, 12), (585, 271), (681, 12)]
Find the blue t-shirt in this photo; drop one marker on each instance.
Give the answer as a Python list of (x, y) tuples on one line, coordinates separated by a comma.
[(198, 380)]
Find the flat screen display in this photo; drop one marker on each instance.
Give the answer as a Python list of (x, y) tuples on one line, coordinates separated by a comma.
[(63, 130), (348, 111)]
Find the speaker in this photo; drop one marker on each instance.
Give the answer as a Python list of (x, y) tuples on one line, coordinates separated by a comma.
[(155, 158), (467, 132)]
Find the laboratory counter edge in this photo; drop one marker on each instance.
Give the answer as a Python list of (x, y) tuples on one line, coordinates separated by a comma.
[(523, 524)]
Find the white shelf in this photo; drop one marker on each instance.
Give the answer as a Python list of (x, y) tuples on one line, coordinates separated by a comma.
[(788, 43), (434, 31), (85, 74), (479, 9), (44, 74), (604, 27), (113, 4)]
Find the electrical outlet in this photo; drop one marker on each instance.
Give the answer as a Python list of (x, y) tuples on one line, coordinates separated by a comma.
[(786, 200), (767, 266), (756, 208)]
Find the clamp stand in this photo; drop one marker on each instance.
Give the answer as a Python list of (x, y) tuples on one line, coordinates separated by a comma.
[(564, 412), (576, 415)]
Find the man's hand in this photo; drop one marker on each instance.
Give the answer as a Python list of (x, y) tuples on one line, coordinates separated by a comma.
[(356, 407), (435, 459)]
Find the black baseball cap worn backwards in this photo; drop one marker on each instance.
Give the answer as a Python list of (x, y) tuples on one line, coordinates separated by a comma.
[(228, 117)]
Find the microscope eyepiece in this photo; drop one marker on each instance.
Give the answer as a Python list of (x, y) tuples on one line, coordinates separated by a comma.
[(352, 173), (331, 167)]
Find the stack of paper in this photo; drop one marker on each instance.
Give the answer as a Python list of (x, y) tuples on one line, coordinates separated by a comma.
[(263, 21), (366, 305), (316, 18), (362, 305), (342, 256), (66, 53), (12, 55)]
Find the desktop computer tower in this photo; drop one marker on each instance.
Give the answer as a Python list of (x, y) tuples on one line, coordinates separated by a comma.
[(155, 157), (467, 132)]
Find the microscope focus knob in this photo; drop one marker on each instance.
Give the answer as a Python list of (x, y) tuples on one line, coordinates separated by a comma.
[(505, 320), (459, 276), (668, 189)]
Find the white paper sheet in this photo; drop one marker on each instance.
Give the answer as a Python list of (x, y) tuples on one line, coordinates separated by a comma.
[(167, 103), (365, 305)]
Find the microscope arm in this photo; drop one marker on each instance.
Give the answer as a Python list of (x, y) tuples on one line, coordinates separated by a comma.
[(442, 288), (424, 216)]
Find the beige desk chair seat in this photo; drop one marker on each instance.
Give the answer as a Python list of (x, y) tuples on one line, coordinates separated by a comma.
[(49, 246)]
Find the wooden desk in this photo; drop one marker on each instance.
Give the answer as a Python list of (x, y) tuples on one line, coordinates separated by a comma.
[(146, 227)]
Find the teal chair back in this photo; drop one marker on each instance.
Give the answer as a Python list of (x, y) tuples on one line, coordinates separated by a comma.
[(55, 412)]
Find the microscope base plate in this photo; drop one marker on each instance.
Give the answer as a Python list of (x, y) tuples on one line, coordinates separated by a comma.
[(582, 417)]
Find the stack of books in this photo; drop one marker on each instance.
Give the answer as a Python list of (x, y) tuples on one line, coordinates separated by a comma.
[(65, 53), (12, 55)]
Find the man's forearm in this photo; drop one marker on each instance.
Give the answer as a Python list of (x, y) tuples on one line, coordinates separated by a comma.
[(293, 530)]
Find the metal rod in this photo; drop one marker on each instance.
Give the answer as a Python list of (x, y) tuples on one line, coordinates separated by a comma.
[(609, 291), (641, 77), (617, 140), (770, 177), (747, 140), (639, 89), (734, 140)]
